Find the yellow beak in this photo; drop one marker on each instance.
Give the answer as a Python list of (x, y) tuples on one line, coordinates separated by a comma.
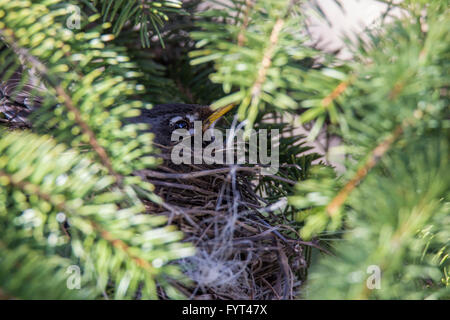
[(216, 115)]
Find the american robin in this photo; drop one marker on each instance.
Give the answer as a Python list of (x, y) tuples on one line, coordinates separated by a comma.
[(166, 118), (18, 101)]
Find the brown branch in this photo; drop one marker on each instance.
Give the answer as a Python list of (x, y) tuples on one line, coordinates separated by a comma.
[(268, 53), (375, 155), (285, 270), (194, 174), (197, 174), (30, 188), (373, 159), (340, 88), (267, 58), (43, 71), (180, 186), (101, 152), (398, 88), (241, 36), (124, 247)]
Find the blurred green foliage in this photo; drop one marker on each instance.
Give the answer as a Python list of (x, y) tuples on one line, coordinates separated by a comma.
[(388, 208)]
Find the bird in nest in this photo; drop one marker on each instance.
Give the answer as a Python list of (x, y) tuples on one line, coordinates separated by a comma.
[(18, 101), (195, 198), (164, 119)]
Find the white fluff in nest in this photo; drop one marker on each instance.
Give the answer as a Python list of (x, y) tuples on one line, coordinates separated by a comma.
[(215, 272)]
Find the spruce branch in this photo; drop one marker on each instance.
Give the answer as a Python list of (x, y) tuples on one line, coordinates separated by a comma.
[(139, 14), (263, 35), (61, 205), (375, 156), (241, 36), (95, 221), (267, 59), (340, 88), (96, 65)]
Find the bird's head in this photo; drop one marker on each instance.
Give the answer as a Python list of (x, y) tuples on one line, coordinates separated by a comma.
[(164, 119)]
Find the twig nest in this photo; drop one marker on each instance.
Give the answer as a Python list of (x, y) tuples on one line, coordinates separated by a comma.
[(241, 251)]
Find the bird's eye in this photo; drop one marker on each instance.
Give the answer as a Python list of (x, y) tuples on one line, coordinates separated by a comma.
[(181, 124)]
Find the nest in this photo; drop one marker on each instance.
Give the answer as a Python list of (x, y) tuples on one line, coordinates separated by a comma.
[(241, 252)]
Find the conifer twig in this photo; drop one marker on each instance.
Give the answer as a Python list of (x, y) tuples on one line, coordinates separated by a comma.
[(340, 88), (43, 71), (267, 58), (117, 243), (241, 36), (373, 159)]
